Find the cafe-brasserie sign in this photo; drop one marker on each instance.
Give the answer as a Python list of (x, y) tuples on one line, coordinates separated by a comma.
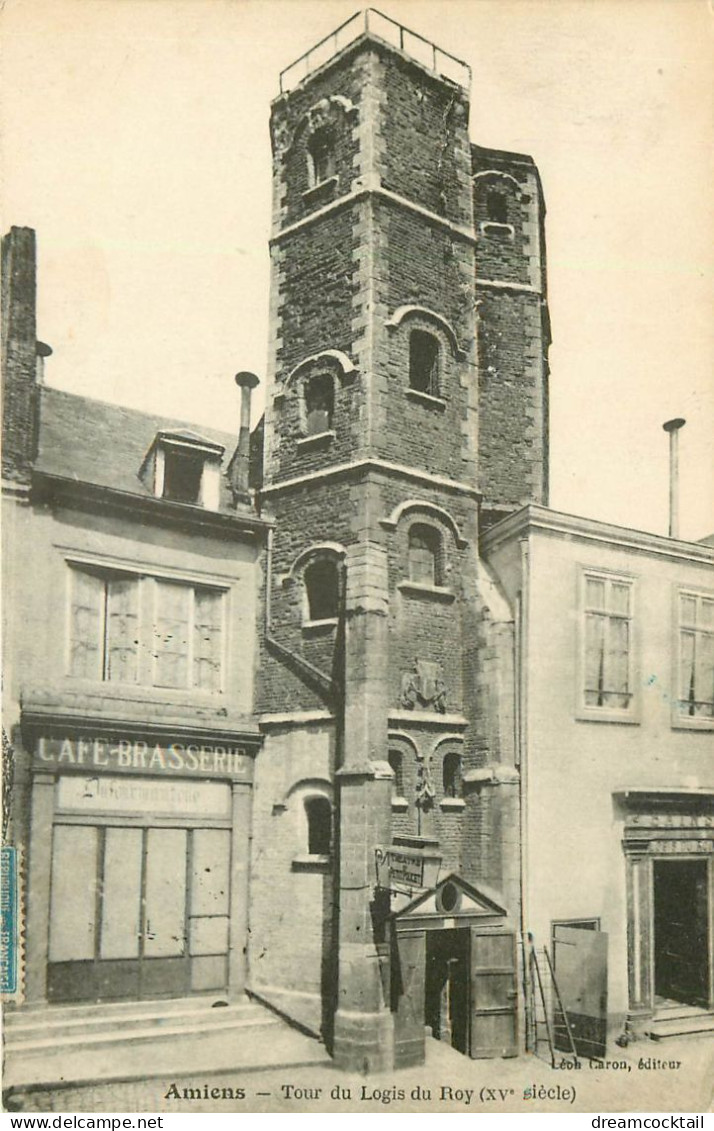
[(136, 756)]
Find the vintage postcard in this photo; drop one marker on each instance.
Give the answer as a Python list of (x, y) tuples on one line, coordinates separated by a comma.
[(358, 575)]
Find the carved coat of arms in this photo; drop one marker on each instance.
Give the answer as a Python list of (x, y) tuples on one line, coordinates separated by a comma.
[(424, 688)]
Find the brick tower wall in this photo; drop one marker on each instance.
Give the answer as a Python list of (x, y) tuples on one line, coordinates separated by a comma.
[(513, 331)]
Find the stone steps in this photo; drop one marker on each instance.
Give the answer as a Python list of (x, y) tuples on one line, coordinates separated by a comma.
[(67, 1024), (681, 1023), (130, 1040)]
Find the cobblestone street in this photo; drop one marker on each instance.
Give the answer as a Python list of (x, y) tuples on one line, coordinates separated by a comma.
[(639, 1078)]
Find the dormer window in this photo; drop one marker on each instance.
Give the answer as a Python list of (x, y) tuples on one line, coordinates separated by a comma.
[(319, 397), (424, 363), (321, 154), (183, 472), (184, 467)]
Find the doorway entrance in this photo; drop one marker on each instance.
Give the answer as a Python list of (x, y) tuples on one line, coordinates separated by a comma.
[(453, 970), (137, 912), (446, 996), (681, 942)]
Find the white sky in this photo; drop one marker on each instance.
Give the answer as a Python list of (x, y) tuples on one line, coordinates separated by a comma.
[(136, 144)]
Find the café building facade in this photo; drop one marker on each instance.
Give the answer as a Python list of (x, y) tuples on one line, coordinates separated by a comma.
[(130, 570)]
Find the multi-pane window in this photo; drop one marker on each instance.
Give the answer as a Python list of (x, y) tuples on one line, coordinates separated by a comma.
[(104, 639), (424, 363), (696, 656), (130, 629), (187, 642), (423, 554), (608, 642)]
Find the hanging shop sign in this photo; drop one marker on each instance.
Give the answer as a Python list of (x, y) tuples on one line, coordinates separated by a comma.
[(399, 870)]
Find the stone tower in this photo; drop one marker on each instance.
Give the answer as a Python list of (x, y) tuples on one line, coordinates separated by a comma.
[(376, 709)]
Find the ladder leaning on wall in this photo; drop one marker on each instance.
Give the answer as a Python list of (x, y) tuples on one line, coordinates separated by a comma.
[(546, 1000)]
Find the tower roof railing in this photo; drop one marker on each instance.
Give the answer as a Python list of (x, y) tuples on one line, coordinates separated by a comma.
[(387, 29)]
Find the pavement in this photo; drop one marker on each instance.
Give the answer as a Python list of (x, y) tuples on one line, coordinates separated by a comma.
[(673, 1076)]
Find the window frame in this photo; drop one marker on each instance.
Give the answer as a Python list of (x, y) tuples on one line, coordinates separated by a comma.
[(105, 574), (310, 804), (301, 796), (322, 375), (147, 592), (498, 214), (167, 449), (434, 392), (679, 720), (398, 799), (189, 686), (455, 792), (309, 621), (323, 139), (607, 713), (434, 534)]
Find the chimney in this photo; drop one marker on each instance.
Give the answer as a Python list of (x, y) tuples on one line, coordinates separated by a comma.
[(43, 351), (673, 426), (19, 353), (239, 465)]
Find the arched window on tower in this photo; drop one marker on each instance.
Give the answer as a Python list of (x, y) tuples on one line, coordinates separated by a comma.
[(396, 762), (451, 774), (321, 153), (497, 207), (322, 589), (424, 555), (319, 398), (318, 812), (424, 363)]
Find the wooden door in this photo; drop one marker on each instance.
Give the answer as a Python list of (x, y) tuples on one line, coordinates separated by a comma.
[(494, 994), (580, 966), (138, 912), (407, 994), (164, 967)]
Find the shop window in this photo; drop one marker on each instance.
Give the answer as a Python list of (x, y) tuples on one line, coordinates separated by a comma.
[(104, 623), (319, 399), (396, 762), (696, 656), (322, 589), (318, 812), (424, 553), (424, 363), (321, 156), (187, 636), (608, 683), (451, 774), (497, 207)]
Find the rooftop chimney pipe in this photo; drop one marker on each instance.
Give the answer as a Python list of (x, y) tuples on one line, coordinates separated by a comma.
[(673, 426), (246, 382)]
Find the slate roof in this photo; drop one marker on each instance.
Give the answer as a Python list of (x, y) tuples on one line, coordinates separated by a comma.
[(92, 441)]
